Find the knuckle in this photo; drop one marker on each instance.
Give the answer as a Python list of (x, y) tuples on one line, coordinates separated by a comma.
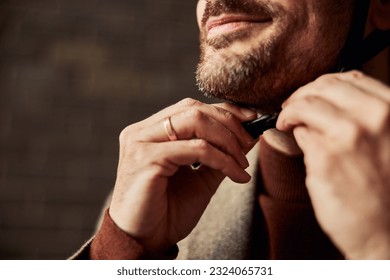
[(308, 100), (228, 116), (327, 79), (195, 114), (200, 144), (127, 136), (356, 74), (302, 89), (189, 102), (123, 135)]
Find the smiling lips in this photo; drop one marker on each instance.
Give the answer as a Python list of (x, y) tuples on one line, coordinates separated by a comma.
[(229, 23)]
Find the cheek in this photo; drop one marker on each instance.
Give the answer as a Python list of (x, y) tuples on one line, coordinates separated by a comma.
[(200, 11)]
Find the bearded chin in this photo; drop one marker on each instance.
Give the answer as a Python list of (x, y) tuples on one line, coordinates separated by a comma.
[(223, 77), (244, 79)]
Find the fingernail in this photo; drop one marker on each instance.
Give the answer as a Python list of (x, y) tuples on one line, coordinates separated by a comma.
[(247, 177), (244, 161)]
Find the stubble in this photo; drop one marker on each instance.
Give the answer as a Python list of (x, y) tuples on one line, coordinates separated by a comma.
[(270, 70)]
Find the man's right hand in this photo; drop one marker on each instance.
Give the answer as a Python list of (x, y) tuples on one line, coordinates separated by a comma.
[(158, 199)]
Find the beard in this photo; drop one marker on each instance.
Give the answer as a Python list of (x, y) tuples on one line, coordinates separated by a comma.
[(272, 67), (236, 77)]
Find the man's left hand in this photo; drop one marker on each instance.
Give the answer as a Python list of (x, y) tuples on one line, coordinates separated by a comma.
[(342, 124)]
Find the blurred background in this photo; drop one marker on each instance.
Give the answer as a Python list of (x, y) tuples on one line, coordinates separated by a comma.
[(73, 74)]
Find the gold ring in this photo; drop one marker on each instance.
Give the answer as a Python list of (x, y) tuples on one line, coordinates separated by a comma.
[(169, 129)]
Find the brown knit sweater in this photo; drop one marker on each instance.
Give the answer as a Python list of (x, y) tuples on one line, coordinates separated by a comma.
[(286, 215), (286, 227)]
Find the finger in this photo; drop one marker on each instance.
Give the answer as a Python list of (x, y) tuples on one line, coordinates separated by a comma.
[(308, 141), (339, 133), (176, 108), (196, 124), (243, 114), (367, 84), (314, 153), (365, 108), (344, 93), (185, 152), (313, 112), (229, 115), (358, 79), (232, 117)]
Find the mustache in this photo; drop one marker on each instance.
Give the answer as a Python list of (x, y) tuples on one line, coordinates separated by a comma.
[(248, 7)]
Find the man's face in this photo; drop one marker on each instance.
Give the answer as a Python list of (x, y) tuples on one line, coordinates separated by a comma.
[(256, 52)]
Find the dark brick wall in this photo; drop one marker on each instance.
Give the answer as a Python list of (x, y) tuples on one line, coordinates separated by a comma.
[(72, 75)]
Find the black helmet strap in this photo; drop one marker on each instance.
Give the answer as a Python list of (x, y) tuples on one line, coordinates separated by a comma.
[(359, 50)]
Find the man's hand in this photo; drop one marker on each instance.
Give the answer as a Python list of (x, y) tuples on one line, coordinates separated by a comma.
[(158, 199), (342, 124)]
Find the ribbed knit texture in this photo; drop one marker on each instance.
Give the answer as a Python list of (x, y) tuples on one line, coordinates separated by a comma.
[(283, 176), (111, 243), (288, 219)]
